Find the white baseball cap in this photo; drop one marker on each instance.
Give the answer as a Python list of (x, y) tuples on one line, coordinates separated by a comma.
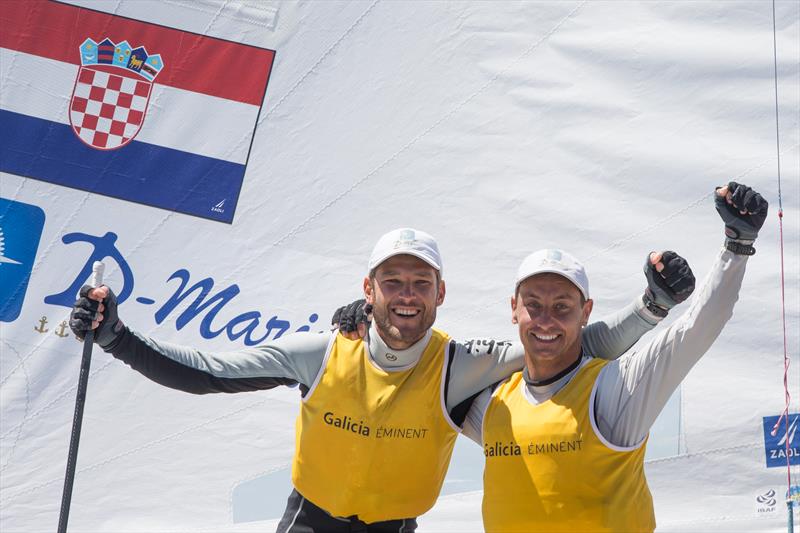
[(555, 262), (406, 241)]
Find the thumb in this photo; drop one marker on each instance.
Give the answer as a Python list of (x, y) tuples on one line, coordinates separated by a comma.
[(655, 260), (99, 294), (722, 191)]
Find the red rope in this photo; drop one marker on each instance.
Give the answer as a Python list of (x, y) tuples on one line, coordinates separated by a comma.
[(787, 396), (786, 360)]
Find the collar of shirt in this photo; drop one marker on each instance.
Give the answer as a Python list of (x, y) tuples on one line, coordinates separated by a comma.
[(394, 360), (537, 394)]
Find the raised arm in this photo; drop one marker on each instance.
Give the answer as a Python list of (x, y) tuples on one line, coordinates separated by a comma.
[(292, 359), (481, 362), (632, 391), (669, 282)]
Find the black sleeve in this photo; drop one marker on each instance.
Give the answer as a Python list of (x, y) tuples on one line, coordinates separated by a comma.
[(137, 354)]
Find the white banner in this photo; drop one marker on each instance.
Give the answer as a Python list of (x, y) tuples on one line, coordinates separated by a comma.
[(499, 127)]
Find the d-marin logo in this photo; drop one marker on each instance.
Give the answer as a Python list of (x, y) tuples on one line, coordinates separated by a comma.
[(20, 230)]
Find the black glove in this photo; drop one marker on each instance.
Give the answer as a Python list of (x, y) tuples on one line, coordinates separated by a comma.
[(349, 316), (671, 286), (743, 217), (84, 312)]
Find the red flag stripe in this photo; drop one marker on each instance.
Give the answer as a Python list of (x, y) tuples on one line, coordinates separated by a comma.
[(193, 62)]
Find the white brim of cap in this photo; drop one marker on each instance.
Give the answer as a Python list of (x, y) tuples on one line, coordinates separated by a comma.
[(553, 271), (375, 263)]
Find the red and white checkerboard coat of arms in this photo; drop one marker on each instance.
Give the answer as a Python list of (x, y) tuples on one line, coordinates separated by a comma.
[(111, 93)]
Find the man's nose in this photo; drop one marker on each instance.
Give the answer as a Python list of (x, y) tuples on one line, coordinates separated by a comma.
[(407, 291), (544, 319)]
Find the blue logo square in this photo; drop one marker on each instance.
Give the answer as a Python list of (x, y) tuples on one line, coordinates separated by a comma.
[(775, 447), (20, 230)]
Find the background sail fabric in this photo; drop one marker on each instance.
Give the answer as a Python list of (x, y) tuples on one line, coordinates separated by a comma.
[(279, 141)]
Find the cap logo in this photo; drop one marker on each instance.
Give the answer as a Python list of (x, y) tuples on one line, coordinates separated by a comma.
[(554, 255), (552, 258), (406, 238)]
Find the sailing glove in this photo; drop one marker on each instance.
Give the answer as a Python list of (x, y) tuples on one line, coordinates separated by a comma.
[(349, 316), (666, 289), (84, 312), (744, 211)]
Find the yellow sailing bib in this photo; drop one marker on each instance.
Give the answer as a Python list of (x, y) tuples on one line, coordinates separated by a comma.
[(372, 443), (547, 468)]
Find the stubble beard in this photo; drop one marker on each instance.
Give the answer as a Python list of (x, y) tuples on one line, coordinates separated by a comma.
[(393, 335)]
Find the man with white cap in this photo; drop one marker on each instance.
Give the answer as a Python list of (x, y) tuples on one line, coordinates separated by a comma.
[(379, 417), (564, 439)]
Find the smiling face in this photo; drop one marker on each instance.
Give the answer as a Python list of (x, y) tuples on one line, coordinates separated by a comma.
[(550, 312), (404, 292)]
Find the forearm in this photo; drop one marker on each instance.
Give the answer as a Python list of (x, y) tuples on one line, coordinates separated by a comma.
[(473, 422), (612, 336), (295, 360), (480, 363), (633, 390)]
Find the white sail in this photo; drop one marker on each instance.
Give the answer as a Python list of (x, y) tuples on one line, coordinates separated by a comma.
[(500, 128)]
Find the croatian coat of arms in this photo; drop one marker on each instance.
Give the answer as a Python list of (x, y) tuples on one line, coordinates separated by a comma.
[(112, 90)]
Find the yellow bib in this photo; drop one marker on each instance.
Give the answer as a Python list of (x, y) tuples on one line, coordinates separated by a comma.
[(548, 470), (372, 443)]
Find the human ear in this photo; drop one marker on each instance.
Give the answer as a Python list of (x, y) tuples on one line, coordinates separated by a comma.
[(369, 294), (514, 310), (440, 294), (587, 310)]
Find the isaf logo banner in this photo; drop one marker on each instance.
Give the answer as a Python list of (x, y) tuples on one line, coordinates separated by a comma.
[(127, 108)]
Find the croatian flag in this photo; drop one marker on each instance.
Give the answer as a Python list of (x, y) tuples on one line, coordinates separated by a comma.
[(127, 108)]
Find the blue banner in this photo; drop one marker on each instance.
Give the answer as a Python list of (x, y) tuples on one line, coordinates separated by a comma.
[(20, 230), (784, 441)]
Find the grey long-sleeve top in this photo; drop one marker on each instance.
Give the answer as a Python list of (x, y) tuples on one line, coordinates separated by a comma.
[(632, 390), (297, 358)]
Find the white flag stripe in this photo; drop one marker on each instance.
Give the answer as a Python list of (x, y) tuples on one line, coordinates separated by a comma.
[(176, 118)]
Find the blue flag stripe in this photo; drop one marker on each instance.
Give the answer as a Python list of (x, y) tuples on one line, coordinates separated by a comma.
[(138, 172)]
